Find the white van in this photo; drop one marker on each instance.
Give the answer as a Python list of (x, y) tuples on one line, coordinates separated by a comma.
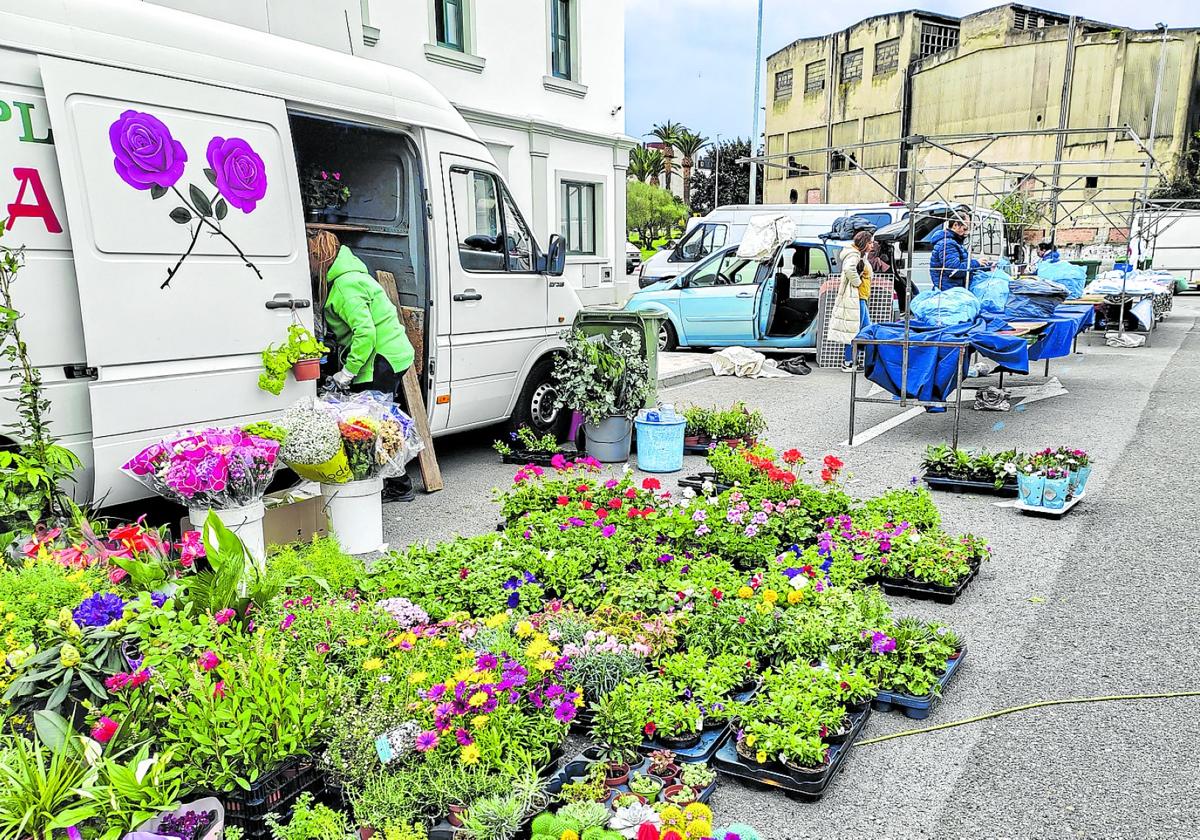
[(726, 225), (1176, 245), (135, 136)]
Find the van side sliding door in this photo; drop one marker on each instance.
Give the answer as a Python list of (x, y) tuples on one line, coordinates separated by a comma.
[(188, 239)]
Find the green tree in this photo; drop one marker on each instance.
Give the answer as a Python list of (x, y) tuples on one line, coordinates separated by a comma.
[(1020, 212), (651, 212), (646, 164), (689, 144), (668, 134), (734, 180)]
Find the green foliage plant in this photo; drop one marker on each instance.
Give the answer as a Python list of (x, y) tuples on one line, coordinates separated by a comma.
[(277, 361), (604, 375)]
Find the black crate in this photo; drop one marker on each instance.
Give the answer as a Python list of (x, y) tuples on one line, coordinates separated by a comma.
[(275, 792), (962, 485)]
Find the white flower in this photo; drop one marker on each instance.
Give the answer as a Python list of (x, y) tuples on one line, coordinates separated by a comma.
[(707, 487), (689, 493), (799, 581), (914, 537), (1010, 468)]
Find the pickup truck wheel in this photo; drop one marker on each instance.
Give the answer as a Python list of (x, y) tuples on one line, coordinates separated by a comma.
[(535, 406), (667, 340)]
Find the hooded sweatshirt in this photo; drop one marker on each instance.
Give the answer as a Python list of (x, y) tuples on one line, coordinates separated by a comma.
[(363, 319), (948, 264)]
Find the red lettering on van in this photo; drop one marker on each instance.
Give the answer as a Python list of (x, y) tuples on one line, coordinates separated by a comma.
[(40, 209)]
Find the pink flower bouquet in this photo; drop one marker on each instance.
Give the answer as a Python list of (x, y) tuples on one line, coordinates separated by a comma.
[(211, 468)]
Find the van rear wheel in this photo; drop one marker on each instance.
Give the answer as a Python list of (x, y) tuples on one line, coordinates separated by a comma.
[(535, 406)]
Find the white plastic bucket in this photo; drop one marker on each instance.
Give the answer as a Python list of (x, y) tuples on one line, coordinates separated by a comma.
[(245, 521), (355, 513)]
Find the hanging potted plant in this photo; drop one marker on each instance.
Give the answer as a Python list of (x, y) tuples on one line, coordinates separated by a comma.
[(324, 193), (605, 378), (300, 354)]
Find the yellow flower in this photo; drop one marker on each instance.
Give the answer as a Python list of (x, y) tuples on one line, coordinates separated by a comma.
[(439, 643), (465, 675), (463, 655), (68, 656), (479, 721), (698, 828), (761, 756), (417, 677), (770, 596), (524, 629), (764, 608), (795, 596), (477, 699), (751, 740), (544, 665), (373, 664), (357, 641), (469, 754), (496, 620), (745, 592)]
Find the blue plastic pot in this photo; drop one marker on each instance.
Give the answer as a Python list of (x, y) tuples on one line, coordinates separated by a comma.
[(1054, 493), (1079, 479), (1030, 487), (660, 444)]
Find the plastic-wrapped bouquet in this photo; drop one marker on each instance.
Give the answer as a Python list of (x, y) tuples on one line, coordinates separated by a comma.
[(216, 468), (340, 438)]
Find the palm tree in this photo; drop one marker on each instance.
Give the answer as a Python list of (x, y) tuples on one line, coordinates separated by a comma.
[(689, 144), (637, 163), (668, 134), (655, 165)]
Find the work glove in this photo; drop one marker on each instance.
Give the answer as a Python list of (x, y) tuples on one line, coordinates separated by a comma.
[(342, 379)]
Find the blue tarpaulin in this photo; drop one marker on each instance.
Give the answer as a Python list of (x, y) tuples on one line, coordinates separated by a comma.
[(931, 370), (1061, 329)]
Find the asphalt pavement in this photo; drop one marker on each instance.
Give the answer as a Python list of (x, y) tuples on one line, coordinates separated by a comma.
[(1102, 602)]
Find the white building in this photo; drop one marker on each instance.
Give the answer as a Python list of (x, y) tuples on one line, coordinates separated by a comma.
[(541, 81)]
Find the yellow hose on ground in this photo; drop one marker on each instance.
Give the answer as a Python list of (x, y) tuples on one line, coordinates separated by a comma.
[(1038, 705)]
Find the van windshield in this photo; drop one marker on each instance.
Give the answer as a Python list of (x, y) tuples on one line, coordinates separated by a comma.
[(700, 241)]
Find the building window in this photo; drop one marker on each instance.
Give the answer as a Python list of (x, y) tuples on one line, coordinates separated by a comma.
[(560, 38), (448, 17), (936, 38), (578, 202), (1030, 19), (852, 66), (887, 56), (783, 84), (1091, 182), (814, 77)]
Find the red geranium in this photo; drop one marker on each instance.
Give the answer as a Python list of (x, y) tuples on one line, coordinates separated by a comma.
[(615, 503), (582, 488), (833, 462), (793, 456), (651, 484), (649, 729), (827, 476), (631, 493), (563, 501)]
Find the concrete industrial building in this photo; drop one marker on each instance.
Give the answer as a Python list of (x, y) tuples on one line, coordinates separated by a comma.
[(542, 82), (1010, 68)]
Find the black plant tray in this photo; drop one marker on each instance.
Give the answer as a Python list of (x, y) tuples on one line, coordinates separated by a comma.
[(710, 741), (962, 485), (275, 792), (696, 448), (521, 457), (923, 590), (775, 775), (696, 482), (917, 708)]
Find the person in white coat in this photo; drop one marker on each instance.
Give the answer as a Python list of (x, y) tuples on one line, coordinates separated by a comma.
[(850, 306)]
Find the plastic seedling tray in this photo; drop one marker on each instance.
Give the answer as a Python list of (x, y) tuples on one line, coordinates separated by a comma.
[(924, 590), (710, 741), (775, 775), (962, 485), (696, 482), (917, 708), (521, 457), (1044, 511)]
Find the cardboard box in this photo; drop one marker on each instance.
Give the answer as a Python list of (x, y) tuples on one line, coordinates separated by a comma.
[(293, 515)]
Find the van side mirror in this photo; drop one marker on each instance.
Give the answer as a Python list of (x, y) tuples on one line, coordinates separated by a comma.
[(556, 256)]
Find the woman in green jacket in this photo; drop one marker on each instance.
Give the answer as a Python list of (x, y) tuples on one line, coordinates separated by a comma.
[(374, 348)]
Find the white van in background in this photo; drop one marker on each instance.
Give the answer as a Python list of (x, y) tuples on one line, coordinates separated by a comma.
[(1176, 245), (726, 225), (152, 170)]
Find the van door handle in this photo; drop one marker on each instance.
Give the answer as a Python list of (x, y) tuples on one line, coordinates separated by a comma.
[(470, 294), (286, 301)]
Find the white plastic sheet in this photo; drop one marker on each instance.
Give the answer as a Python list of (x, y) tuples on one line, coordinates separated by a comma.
[(764, 234), (746, 363)]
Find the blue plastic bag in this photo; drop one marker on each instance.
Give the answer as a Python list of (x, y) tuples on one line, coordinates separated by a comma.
[(1033, 298), (943, 307), (991, 287), (1074, 277)]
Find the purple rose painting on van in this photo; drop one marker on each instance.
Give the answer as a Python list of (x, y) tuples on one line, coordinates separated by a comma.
[(147, 156)]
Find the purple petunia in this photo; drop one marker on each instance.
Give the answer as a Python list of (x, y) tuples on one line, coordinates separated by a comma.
[(99, 610), (511, 584), (882, 643), (608, 531)]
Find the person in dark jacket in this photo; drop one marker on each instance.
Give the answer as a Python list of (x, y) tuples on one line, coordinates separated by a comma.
[(949, 265), (1047, 253)]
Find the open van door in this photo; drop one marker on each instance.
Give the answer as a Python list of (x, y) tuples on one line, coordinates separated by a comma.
[(189, 250)]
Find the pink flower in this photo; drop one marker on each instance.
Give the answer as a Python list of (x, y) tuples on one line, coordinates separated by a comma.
[(139, 678), (116, 574), (208, 660), (287, 621), (219, 690), (224, 616), (116, 682), (104, 730), (322, 648)]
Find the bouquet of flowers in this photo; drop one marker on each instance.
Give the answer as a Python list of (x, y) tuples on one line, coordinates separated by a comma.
[(217, 468)]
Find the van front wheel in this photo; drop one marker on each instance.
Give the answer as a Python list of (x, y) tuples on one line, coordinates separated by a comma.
[(536, 406)]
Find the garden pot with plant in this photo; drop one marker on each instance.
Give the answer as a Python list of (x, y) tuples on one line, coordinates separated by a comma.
[(680, 795), (301, 354), (697, 775), (617, 727), (324, 193), (606, 378), (646, 786), (1079, 467), (663, 767), (626, 800), (525, 446)]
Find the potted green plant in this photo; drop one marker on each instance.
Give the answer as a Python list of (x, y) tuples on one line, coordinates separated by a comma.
[(645, 786), (606, 378), (806, 756), (697, 775), (663, 767), (301, 354), (617, 727), (323, 191)]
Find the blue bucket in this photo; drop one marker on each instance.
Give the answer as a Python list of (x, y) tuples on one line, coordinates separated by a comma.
[(660, 445)]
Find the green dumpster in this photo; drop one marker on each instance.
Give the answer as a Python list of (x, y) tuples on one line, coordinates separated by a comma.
[(1092, 266), (645, 324)]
